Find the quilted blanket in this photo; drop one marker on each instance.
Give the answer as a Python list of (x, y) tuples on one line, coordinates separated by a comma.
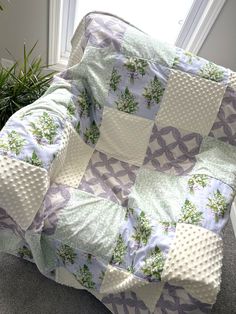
[(120, 178)]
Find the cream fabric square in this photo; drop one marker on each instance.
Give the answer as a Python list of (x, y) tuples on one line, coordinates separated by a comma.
[(150, 294), (190, 103), (72, 160), (124, 136), (118, 280), (194, 262), (232, 80), (22, 189)]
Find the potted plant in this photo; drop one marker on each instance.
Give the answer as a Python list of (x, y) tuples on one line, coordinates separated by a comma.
[(22, 84)]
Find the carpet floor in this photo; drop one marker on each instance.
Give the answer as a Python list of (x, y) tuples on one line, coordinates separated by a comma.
[(23, 290)]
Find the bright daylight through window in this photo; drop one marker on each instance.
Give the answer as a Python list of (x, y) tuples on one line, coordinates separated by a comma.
[(184, 23), (160, 18)]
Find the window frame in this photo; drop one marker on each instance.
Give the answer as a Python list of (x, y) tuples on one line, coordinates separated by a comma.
[(56, 59), (199, 21), (194, 31)]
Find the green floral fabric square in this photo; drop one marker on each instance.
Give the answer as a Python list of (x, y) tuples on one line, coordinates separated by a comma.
[(90, 223)]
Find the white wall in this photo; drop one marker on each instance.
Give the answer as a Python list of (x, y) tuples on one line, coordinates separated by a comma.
[(23, 21), (220, 44)]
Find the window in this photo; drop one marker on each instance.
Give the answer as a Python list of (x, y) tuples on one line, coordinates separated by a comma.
[(157, 19), (184, 23)]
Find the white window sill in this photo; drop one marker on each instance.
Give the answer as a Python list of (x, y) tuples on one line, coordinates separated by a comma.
[(60, 66)]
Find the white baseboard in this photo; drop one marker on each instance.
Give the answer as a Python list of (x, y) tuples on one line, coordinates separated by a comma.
[(233, 216)]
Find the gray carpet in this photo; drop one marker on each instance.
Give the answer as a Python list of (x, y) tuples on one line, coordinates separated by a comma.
[(23, 290), (226, 301)]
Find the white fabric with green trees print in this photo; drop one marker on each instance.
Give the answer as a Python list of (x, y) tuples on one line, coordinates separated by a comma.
[(125, 140)]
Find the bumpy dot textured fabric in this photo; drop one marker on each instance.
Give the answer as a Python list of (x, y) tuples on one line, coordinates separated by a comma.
[(22, 189), (124, 136), (232, 80), (194, 262), (71, 162), (118, 280), (190, 103), (150, 294)]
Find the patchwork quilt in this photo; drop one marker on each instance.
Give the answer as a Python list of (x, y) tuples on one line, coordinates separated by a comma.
[(120, 178)]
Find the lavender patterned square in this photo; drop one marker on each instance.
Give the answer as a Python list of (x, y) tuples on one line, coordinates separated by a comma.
[(108, 177), (171, 150), (224, 128), (47, 217), (173, 300)]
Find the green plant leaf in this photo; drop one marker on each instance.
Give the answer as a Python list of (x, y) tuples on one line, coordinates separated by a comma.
[(127, 102), (85, 277), (115, 79), (44, 128), (153, 92), (218, 204), (143, 229), (154, 264), (24, 252), (91, 134), (196, 181), (67, 254), (190, 214), (119, 251), (212, 72), (135, 67), (22, 84)]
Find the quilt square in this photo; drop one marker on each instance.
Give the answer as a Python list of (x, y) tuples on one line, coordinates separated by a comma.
[(109, 178), (224, 128), (22, 191), (171, 150), (144, 46), (232, 80), (142, 246), (47, 217), (70, 164), (188, 62), (207, 203), (87, 270), (190, 103), (90, 223), (195, 261), (223, 167), (123, 136), (137, 86), (104, 32)]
